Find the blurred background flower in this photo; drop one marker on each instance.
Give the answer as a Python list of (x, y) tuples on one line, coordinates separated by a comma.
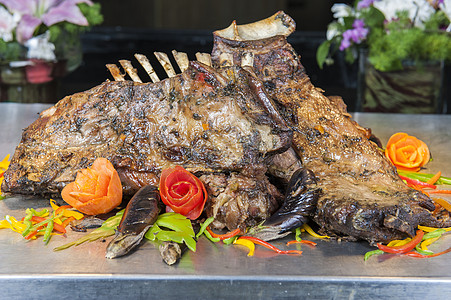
[(391, 32), (33, 28)]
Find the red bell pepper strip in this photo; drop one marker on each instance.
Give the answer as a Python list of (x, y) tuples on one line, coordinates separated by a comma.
[(224, 236), (404, 248), (269, 246), (417, 182), (56, 226), (33, 233), (301, 242)]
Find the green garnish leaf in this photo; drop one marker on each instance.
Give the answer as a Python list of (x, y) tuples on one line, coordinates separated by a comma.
[(172, 227)]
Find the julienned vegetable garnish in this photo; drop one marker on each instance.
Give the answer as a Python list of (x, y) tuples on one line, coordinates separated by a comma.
[(183, 192), (3, 166), (96, 190), (42, 222)]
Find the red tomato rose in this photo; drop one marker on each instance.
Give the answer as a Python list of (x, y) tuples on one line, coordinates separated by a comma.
[(183, 192)]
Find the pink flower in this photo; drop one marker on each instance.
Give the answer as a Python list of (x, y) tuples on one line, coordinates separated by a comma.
[(365, 3), (47, 12)]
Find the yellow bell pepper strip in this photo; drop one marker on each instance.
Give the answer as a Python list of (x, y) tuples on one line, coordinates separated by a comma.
[(269, 246), (246, 243), (11, 223), (311, 232), (434, 178), (371, 253), (301, 242), (428, 239), (3, 167), (66, 210), (399, 242), (424, 244), (429, 229), (404, 248), (224, 236)]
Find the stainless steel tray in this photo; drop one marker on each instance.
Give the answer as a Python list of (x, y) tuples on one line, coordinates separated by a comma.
[(332, 270)]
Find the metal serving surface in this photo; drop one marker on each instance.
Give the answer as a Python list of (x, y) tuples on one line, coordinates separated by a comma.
[(332, 270)]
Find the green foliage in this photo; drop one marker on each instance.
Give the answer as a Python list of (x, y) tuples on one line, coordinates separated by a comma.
[(92, 13), (389, 44), (10, 51)]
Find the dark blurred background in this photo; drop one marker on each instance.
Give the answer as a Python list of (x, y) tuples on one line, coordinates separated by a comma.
[(145, 26)]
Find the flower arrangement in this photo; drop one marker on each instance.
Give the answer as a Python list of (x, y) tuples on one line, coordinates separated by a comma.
[(41, 29), (391, 31)]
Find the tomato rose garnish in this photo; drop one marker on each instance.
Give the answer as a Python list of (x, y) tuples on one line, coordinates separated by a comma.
[(96, 190), (183, 192), (407, 152)]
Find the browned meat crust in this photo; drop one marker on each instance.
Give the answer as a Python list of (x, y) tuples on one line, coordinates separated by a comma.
[(362, 195), (204, 120)]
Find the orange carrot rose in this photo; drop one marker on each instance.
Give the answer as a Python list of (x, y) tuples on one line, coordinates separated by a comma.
[(407, 152), (183, 192), (96, 190)]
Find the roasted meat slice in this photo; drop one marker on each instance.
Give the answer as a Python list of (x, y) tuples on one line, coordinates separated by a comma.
[(362, 196), (205, 120)]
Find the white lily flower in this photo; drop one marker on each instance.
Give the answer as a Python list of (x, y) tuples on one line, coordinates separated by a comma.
[(39, 47), (8, 22), (418, 10), (341, 10)]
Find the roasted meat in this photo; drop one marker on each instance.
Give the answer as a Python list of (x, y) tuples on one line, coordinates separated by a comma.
[(362, 196), (205, 120)]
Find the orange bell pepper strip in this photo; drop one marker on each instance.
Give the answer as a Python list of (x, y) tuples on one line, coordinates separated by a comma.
[(443, 203), (434, 178), (418, 255), (301, 242)]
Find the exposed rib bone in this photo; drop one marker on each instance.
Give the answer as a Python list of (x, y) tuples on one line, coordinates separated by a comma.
[(144, 61), (165, 63), (204, 58), (115, 72), (127, 65), (247, 60), (182, 60), (225, 59)]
